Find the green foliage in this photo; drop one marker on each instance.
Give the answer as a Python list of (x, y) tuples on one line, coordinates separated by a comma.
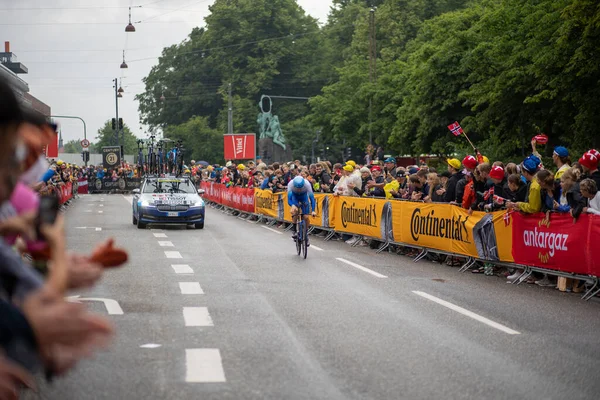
[(106, 137), (73, 146), (505, 69)]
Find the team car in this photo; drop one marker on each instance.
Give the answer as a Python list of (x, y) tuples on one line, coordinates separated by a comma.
[(168, 201)]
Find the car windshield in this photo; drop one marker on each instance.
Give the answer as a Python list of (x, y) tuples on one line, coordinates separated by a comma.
[(169, 186)]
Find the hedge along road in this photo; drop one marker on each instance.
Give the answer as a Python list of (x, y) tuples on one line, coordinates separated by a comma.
[(237, 314)]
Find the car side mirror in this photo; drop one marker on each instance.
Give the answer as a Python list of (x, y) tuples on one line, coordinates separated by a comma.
[(201, 191), (135, 191)]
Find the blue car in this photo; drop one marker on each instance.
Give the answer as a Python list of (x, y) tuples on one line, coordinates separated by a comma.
[(168, 201)]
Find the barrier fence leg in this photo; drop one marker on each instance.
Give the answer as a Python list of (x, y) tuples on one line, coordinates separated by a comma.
[(360, 238), (289, 227), (259, 219), (383, 247), (526, 274), (421, 255), (467, 265), (329, 236), (311, 229), (592, 291)]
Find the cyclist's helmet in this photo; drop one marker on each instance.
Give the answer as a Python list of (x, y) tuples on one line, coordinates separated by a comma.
[(298, 185)]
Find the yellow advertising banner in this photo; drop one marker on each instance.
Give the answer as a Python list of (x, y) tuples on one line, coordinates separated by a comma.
[(322, 210), (451, 229), (269, 203), (362, 216)]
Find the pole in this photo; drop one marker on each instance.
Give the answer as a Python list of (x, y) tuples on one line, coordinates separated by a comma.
[(230, 113), (73, 117), (116, 112), (372, 65)]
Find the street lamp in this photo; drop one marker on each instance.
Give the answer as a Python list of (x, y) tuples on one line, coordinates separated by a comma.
[(130, 27), (117, 95), (124, 64)]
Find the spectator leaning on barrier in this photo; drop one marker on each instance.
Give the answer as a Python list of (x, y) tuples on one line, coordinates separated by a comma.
[(450, 189), (533, 201), (589, 191), (402, 184), (376, 184), (347, 182), (499, 182), (365, 177), (515, 189), (569, 197)]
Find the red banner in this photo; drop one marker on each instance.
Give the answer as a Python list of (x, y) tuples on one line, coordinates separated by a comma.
[(234, 197), (559, 243), (65, 192), (239, 146)]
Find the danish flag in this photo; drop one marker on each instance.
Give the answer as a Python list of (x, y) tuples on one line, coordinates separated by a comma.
[(488, 194), (456, 129)]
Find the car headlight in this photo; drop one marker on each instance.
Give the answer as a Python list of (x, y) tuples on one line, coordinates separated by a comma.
[(144, 203), (198, 203)]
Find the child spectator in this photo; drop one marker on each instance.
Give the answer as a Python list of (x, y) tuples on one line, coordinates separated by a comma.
[(435, 186), (589, 162), (569, 197), (455, 176), (533, 201)]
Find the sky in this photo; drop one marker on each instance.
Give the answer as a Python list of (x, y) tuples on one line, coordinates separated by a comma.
[(73, 50)]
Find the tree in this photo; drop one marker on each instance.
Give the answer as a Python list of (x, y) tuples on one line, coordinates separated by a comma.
[(73, 146), (106, 137)]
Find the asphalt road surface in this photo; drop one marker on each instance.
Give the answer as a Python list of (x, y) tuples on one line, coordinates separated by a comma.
[(231, 312)]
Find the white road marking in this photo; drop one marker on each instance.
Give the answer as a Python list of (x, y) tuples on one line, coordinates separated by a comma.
[(173, 254), (367, 270), (204, 366), (197, 316), (150, 346), (468, 313), (160, 235), (88, 210), (182, 269), (165, 244), (312, 246), (112, 306), (272, 230), (100, 212), (81, 227), (190, 288), (101, 205), (98, 229), (129, 199)]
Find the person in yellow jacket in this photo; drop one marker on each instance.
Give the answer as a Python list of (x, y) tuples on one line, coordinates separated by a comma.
[(533, 201)]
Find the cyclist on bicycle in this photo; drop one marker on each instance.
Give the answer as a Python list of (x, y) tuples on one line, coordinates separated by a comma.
[(299, 194)]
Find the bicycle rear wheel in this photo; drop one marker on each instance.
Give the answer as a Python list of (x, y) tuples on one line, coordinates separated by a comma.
[(304, 240), (299, 237)]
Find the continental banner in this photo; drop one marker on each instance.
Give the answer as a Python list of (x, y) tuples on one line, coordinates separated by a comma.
[(362, 216), (322, 202), (451, 229), (269, 203)]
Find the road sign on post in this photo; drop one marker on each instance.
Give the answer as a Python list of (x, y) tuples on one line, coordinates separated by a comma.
[(85, 143)]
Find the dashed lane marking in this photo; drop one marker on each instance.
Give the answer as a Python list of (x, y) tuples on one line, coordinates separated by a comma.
[(165, 243), (197, 316), (312, 246), (204, 366), (182, 269), (467, 313), (190, 288), (173, 254), (367, 270), (160, 235)]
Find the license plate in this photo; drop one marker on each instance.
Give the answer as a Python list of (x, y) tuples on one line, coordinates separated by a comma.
[(172, 214)]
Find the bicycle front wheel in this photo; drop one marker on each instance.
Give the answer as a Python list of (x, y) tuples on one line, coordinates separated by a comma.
[(299, 237), (304, 240)]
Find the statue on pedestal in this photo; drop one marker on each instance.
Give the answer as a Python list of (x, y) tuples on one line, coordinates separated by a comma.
[(272, 145)]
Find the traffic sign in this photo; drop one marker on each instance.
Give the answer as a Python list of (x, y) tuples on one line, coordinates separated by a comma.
[(85, 143)]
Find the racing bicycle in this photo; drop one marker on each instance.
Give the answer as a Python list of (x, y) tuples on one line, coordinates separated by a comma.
[(301, 232)]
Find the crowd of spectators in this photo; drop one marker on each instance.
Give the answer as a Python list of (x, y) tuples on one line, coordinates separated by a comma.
[(39, 330), (474, 183)]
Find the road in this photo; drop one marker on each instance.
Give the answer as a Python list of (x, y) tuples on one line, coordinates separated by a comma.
[(237, 315)]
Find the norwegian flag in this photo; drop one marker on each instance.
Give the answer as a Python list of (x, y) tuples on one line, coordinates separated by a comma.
[(456, 129), (488, 194)]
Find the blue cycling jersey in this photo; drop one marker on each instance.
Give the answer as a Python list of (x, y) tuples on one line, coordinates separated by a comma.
[(302, 196)]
